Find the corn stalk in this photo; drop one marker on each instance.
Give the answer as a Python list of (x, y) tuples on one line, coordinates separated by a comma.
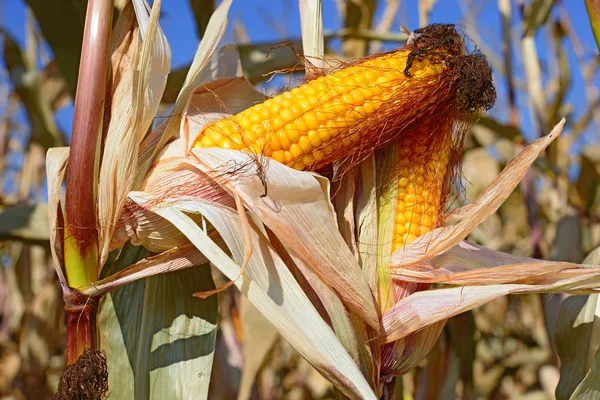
[(81, 235)]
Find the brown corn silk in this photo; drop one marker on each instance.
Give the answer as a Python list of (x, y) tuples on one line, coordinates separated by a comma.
[(428, 162)]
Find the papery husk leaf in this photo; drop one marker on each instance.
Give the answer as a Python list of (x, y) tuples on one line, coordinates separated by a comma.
[(269, 285), (593, 10), (341, 321), (313, 42), (176, 259), (170, 176), (158, 338), (345, 189), (407, 352), (469, 264), (424, 308), (387, 158), (578, 317), (258, 337), (227, 96), (137, 91), (225, 92), (298, 211), (213, 34), (355, 336), (470, 216), (366, 221), (56, 167)]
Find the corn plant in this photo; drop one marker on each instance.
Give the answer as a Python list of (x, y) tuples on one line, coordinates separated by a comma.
[(325, 206)]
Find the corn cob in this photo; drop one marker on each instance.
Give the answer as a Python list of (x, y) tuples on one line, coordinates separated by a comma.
[(422, 181), (311, 125)]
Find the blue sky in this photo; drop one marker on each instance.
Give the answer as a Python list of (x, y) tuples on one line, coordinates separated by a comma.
[(268, 20)]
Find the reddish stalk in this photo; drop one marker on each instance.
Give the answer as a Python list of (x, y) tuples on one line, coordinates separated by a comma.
[(81, 332), (81, 235)]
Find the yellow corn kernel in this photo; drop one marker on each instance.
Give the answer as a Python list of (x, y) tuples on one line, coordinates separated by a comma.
[(317, 116), (421, 180)]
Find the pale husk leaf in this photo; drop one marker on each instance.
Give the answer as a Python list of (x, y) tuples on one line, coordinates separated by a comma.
[(175, 259), (269, 285), (406, 353), (300, 215), (137, 93), (313, 42), (366, 221), (468, 264), (470, 216), (259, 336), (56, 167), (218, 99), (424, 308), (195, 77)]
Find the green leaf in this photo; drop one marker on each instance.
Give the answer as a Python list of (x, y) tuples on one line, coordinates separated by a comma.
[(65, 39), (577, 339), (202, 11), (462, 339), (585, 190), (158, 338), (536, 14), (593, 9), (28, 85), (29, 223), (589, 389)]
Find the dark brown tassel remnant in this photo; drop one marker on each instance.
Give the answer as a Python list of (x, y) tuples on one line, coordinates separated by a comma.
[(87, 379)]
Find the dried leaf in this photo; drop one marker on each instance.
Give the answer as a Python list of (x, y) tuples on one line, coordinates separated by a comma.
[(424, 308), (56, 167), (195, 77), (144, 73), (300, 214), (27, 83), (470, 216), (269, 285), (536, 14), (258, 338), (311, 22), (202, 10)]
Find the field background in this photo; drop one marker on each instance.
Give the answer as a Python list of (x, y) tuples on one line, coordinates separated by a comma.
[(546, 67)]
